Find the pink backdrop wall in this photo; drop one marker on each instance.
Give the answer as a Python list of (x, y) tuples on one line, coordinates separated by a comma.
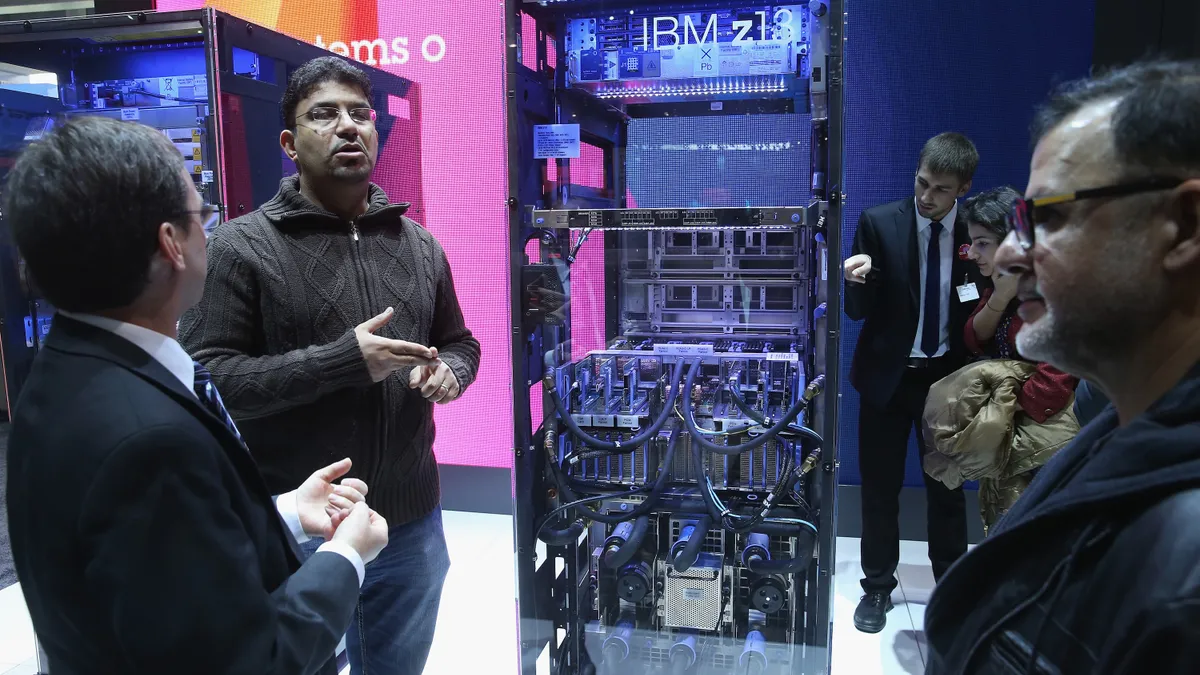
[(464, 173)]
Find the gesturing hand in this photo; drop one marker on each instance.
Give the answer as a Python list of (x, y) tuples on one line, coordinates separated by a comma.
[(323, 504), (437, 383), (365, 531), (385, 356), (856, 268)]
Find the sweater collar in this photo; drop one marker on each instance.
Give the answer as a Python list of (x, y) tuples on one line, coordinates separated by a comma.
[(288, 206)]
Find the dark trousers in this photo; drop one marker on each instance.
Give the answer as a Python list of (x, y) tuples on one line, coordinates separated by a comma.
[(392, 630), (883, 445)]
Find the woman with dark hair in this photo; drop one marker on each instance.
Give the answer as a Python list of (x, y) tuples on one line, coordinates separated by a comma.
[(992, 329), (1001, 418)]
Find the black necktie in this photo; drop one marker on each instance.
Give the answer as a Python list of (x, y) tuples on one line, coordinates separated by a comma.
[(931, 333), (208, 395)]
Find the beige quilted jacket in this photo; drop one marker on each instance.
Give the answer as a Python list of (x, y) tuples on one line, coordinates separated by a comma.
[(975, 430)]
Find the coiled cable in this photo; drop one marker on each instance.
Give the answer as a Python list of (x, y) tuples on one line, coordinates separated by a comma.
[(628, 446), (698, 436)]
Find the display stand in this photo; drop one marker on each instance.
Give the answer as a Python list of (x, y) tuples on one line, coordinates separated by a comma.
[(675, 178)]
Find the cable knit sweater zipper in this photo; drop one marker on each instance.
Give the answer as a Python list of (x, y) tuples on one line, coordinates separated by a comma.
[(360, 264)]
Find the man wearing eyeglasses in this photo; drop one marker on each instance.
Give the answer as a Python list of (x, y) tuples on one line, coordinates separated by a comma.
[(1094, 570), (143, 536), (331, 327)]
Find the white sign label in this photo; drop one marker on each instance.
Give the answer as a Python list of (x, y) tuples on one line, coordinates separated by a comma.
[(206, 176), (131, 114), (684, 350), (676, 62), (556, 141), (627, 421), (783, 356), (582, 420), (967, 293), (604, 421), (692, 594), (735, 60), (707, 61), (768, 58)]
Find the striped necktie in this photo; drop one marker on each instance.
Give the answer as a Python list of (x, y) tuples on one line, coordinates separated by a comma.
[(208, 395)]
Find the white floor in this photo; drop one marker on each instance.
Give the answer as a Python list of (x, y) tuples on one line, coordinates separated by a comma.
[(477, 625)]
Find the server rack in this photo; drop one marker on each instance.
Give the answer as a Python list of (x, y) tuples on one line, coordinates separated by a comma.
[(675, 396)]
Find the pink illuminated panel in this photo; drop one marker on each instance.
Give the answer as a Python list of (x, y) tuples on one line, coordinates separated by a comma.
[(528, 41), (587, 296), (454, 51), (588, 170)]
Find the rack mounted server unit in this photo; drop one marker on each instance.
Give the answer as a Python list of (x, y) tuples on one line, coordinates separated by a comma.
[(675, 329)]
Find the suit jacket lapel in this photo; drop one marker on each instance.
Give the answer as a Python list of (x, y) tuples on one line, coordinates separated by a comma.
[(960, 265), (906, 234), (68, 335), (76, 337)]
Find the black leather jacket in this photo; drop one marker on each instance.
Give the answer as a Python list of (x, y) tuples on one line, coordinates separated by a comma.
[(1089, 402), (1096, 569)]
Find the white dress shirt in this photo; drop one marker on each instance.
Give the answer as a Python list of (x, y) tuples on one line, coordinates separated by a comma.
[(946, 251), (172, 356)]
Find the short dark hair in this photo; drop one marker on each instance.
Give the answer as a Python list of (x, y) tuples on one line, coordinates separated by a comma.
[(991, 209), (950, 153), (305, 79), (85, 205), (1155, 124)]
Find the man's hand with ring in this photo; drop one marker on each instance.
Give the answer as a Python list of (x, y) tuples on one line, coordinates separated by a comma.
[(437, 382)]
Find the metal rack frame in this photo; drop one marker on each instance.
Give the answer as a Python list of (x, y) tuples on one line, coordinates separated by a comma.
[(540, 96)]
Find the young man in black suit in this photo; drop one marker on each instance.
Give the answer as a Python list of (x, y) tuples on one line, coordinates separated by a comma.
[(144, 537), (914, 315)]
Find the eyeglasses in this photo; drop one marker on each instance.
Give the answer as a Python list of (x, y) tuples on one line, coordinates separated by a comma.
[(324, 117), (1026, 214), (210, 215)]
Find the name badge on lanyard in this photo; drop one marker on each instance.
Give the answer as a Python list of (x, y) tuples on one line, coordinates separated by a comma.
[(967, 292)]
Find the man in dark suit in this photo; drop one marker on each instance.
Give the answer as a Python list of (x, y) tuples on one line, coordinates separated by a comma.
[(144, 537), (914, 314)]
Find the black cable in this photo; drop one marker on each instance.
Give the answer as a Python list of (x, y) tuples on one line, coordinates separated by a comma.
[(683, 559), (806, 540), (163, 97), (579, 503), (617, 553), (619, 447), (735, 393), (803, 431), (578, 245), (560, 536), (689, 417), (749, 523), (722, 514), (652, 495)]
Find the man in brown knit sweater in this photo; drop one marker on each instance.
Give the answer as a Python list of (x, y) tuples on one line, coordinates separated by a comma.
[(331, 327)]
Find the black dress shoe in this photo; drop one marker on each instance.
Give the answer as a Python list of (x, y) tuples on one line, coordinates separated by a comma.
[(871, 615)]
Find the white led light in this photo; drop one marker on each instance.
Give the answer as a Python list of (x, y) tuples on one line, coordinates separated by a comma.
[(709, 87)]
